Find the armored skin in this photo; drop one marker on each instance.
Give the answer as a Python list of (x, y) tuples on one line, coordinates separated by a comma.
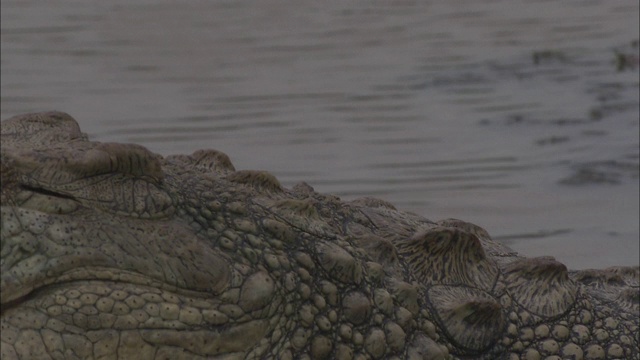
[(110, 251)]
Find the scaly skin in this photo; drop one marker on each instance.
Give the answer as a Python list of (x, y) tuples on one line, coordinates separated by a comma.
[(110, 251)]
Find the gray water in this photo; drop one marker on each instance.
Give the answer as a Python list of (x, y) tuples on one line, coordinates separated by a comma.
[(519, 116)]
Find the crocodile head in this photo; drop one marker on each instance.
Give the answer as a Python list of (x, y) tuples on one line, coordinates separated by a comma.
[(111, 251)]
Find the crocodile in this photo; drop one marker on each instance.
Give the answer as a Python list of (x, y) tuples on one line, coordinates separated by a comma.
[(110, 251)]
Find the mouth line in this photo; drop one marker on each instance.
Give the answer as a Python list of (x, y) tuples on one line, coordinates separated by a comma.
[(203, 316), (95, 275)]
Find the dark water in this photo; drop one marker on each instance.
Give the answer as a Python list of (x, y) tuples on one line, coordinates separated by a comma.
[(519, 116)]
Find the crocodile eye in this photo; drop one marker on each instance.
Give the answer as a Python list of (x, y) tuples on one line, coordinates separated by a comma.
[(119, 178), (124, 159), (45, 200)]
